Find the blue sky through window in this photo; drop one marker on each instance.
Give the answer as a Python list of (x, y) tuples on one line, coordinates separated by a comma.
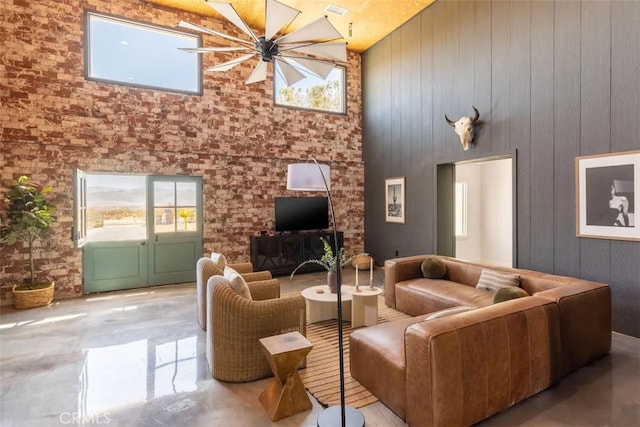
[(143, 55)]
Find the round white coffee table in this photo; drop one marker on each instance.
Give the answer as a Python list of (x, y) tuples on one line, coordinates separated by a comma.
[(323, 305), (364, 306)]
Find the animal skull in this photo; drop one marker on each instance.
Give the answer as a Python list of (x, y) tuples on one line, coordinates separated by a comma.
[(464, 128)]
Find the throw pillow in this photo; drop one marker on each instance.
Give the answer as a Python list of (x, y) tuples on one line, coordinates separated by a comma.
[(433, 268), (493, 281), (237, 283), (508, 293), (219, 260), (448, 312)]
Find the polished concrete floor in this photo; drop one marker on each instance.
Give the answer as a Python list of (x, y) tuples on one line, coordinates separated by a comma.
[(137, 358)]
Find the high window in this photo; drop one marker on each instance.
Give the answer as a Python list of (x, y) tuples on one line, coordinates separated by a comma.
[(313, 93), (138, 54)]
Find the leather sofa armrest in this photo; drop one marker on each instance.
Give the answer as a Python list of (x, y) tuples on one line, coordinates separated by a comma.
[(511, 348), (397, 270), (585, 321)]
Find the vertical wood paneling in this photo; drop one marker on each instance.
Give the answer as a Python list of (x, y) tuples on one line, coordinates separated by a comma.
[(482, 71), (451, 86), (625, 79), (418, 143), (426, 103), (397, 106), (595, 86), (464, 62), (566, 133), (442, 134), (625, 287), (625, 131), (500, 50), (377, 132), (542, 130), (520, 122), (410, 84), (553, 79)]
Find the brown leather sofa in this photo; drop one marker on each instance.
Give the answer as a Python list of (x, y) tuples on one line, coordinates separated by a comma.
[(464, 367)]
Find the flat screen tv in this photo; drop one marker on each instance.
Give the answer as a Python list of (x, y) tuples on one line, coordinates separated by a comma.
[(301, 213)]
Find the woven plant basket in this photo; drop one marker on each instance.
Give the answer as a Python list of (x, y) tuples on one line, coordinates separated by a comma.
[(31, 298)]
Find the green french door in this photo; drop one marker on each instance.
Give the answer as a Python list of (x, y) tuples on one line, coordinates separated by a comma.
[(138, 231), (175, 234)]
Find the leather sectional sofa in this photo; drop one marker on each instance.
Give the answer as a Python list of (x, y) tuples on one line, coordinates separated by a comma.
[(461, 357)]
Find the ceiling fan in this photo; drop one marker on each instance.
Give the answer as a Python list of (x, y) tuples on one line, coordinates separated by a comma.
[(314, 48)]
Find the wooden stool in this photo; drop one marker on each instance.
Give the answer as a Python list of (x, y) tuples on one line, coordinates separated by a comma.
[(285, 395)]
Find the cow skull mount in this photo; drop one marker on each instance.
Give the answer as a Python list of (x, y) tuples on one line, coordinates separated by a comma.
[(464, 127)]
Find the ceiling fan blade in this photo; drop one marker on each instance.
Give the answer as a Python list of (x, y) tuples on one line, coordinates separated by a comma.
[(259, 73), (320, 29), (277, 16), (335, 51), (322, 69), (290, 75), (214, 49), (226, 66), (189, 25), (227, 10)]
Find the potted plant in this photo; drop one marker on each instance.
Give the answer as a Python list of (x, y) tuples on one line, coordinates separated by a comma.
[(328, 261), (27, 219)]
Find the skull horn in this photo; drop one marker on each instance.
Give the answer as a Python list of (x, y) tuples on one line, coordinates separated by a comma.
[(451, 122), (476, 116)]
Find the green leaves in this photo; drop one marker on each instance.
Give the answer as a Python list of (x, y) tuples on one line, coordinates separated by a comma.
[(28, 215), (27, 211), (328, 260)]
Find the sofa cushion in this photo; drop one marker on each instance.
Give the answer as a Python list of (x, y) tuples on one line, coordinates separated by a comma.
[(508, 293), (433, 268), (237, 283), (219, 260), (491, 280), (420, 296)]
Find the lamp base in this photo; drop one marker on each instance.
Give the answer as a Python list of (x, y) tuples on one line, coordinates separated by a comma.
[(332, 417)]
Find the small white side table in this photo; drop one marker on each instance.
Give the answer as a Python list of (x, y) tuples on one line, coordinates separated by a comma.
[(323, 305), (364, 306)]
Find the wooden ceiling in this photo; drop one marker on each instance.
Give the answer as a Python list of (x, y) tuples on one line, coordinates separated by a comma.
[(365, 23)]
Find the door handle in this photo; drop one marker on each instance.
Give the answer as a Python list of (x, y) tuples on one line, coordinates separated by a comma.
[(143, 243)]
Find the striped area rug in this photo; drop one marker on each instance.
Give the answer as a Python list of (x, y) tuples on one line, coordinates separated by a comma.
[(321, 376)]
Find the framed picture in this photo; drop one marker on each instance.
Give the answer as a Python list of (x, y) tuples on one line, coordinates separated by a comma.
[(606, 191), (394, 200)]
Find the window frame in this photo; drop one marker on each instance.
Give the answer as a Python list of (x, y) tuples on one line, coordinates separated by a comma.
[(294, 107), (138, 23), (79, 231), (461, 210)]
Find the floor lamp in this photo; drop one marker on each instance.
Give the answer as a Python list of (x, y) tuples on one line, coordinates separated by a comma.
[(313, 176)]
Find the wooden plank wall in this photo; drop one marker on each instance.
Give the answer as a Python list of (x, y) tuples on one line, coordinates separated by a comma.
[(553, 80)]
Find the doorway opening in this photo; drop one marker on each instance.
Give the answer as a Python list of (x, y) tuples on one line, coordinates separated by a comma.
[(476, 211)]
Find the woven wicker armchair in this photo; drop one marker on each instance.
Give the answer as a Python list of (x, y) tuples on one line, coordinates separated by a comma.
[(205, 268), (234, 353)]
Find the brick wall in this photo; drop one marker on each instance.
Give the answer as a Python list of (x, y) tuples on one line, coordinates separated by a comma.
[(53, 120)]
